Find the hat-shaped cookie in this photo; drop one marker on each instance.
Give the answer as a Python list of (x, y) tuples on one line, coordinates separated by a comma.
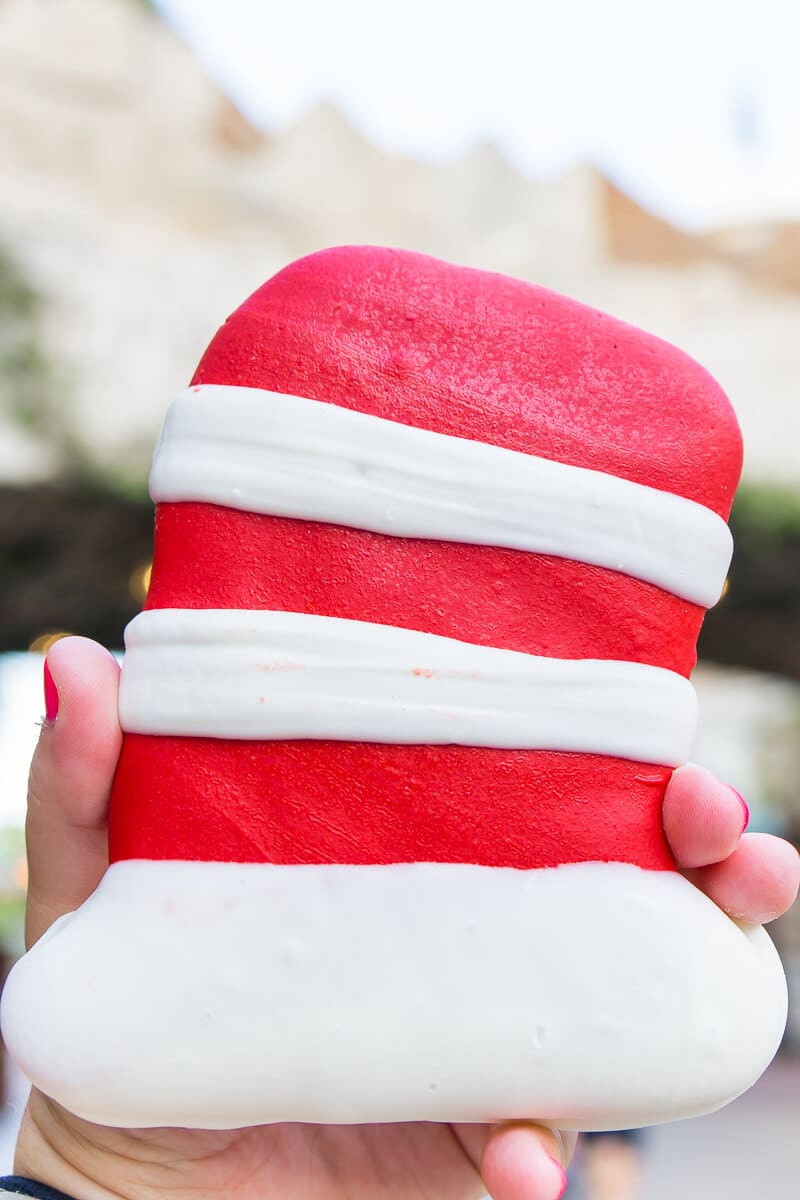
[(433, 548)]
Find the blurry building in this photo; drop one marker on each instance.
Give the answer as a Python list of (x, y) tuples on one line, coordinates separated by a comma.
[(144, 207)]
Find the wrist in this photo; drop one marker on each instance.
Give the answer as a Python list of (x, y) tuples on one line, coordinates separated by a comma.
[(57, 1151), (18, 1185)]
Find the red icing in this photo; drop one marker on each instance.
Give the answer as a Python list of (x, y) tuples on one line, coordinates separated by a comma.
[(314, 802), (474, 355), (211, 557), (483, 356)]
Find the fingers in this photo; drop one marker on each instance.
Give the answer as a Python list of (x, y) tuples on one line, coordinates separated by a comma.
[(703, 818), (520, 1160), (525, 1161), (753, 878), (757, 883), (70, 781)]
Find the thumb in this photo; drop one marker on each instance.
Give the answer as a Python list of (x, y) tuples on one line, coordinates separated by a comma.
[(519, 1160), (70, 781)]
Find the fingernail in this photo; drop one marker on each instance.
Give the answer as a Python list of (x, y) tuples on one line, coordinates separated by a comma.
[(50, 695), (563, 1174), (745, 809)]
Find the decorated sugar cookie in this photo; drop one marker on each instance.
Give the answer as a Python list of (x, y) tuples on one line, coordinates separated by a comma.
[(433, 548)]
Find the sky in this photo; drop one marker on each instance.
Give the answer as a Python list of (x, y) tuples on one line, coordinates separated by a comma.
[(693, 105)]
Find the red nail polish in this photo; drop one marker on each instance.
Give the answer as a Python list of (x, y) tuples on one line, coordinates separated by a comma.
[(50, 695), (745, 809), (565, 1181)]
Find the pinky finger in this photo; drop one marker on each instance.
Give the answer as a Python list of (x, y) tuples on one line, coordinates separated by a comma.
[(757, 883)]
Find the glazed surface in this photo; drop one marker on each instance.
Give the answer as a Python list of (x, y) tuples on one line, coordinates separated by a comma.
[(432, 553), (592, 996), (336, 360), (280, 455)]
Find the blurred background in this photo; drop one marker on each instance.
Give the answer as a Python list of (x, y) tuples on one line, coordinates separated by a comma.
[(159, 161)]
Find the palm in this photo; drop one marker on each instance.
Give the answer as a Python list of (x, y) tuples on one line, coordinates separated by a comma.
[(296, 1162)]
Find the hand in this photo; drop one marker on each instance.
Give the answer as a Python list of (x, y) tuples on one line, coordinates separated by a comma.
[(754, 878)]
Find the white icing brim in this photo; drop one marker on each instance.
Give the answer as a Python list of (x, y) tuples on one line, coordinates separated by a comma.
[(236, 673), (224, 995), (290, 456)]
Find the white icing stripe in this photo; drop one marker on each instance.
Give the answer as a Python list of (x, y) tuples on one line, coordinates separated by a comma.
[(594, 995), (254, 674), (288, 456)]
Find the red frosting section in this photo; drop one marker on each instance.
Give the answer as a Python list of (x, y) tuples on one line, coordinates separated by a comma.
[(474, 355), (301, 802), (483, 356), (211, 557)]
